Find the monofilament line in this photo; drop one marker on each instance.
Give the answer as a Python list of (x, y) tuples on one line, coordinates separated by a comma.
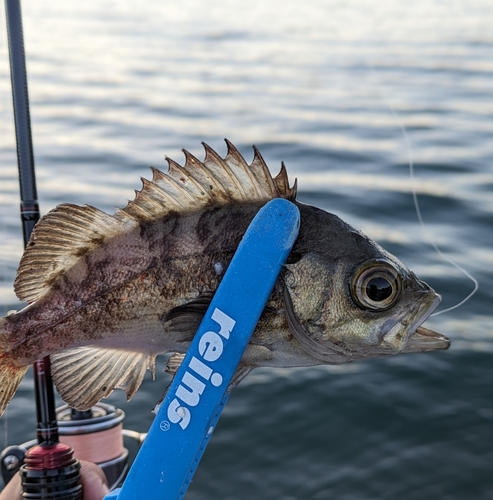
[(428, 238)]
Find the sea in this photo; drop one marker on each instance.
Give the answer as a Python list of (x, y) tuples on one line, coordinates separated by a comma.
[(350, 95)]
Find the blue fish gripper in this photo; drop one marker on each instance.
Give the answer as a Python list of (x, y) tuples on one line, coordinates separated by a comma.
[(193, 403)]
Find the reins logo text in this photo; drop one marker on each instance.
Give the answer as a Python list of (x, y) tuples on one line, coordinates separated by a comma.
[(199, 373)]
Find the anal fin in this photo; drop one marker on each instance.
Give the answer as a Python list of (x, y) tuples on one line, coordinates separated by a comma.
[(84, 375)]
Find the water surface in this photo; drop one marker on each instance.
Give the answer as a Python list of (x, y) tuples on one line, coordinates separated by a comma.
[(328, 87)]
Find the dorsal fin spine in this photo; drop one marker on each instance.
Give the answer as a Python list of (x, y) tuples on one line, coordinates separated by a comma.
[(179, 171), (234, 153), (293, 191), (154, 192), (282, 182), (136, 209), (258, 164), (191, 161), (179, 188), (211, 155)]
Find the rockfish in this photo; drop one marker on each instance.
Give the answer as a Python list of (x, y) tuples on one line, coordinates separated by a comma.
[(107, 293)]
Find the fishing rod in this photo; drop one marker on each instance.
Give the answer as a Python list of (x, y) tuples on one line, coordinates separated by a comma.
[(50, 469)]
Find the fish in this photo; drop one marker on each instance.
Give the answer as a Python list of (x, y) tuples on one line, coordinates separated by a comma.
[(107, 293)]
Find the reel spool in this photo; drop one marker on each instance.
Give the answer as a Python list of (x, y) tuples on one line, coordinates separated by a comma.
[(96, 436)]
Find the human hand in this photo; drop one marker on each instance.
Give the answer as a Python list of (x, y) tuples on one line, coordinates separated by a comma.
[(93, 480)]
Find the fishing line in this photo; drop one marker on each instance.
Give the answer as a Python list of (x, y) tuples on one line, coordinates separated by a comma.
[(426, 236)]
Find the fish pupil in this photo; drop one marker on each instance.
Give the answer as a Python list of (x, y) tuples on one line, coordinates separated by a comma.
[(378, 289)]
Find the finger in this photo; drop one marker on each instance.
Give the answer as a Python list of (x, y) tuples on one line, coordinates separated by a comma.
[(93, 479), (13, 490)]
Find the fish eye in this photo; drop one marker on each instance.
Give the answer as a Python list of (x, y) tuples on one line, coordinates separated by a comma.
[(376, 285)]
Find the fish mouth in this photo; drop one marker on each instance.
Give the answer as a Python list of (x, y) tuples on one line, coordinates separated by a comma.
[(423, 340), (418, 338)]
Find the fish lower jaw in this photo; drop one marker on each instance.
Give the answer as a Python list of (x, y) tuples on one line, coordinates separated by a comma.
[(423, 340), (420, 340)]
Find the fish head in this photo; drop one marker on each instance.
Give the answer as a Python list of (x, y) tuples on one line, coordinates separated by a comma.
[(347, 298)]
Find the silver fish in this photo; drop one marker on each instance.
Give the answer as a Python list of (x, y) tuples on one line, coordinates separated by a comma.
[(107, 293)]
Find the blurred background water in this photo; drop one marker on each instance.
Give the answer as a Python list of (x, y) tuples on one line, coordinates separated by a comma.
[(326, 86)]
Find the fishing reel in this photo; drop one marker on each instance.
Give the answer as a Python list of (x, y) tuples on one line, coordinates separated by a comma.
[(96, 435)]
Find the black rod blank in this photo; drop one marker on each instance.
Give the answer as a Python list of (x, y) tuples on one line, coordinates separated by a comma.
[(45, 405), (25, 156)]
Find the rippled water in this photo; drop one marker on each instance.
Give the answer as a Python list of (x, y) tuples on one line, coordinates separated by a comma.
[(328, 87)]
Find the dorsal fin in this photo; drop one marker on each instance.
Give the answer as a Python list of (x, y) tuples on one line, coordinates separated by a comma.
[(69, 232)]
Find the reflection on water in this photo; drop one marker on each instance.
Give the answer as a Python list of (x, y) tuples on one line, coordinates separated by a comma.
[(114, 88)]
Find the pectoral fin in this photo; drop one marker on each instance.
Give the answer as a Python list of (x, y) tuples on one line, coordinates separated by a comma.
[(185, 319)]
